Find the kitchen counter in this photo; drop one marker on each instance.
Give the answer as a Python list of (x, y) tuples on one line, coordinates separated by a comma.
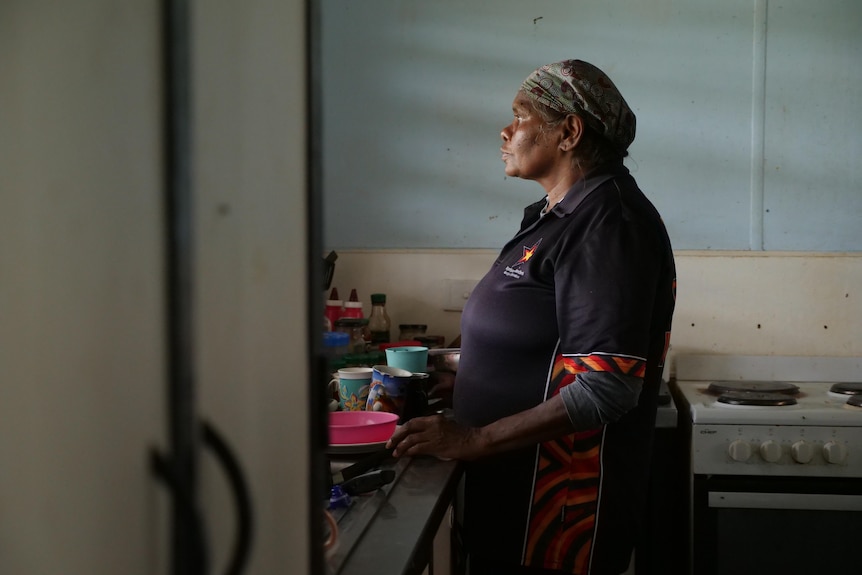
[(392, 529)]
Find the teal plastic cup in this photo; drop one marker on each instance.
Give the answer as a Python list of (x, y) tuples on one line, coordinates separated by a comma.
[(413, 358)]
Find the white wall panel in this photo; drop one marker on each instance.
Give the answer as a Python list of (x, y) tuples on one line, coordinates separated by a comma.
[(813, 176)]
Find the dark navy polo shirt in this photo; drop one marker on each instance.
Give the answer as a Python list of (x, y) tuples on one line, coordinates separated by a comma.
[(588, 287)]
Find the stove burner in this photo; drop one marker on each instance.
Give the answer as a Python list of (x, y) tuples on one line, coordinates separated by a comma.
[(756, 398), (721, 387), (849, 388)]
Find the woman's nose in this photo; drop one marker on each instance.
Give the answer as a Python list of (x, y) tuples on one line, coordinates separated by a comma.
[(504, 134)]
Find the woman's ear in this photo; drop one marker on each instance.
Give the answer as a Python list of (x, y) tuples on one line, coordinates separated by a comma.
[(573, 130)]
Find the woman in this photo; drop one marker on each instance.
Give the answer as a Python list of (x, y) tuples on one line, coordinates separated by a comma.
[(562, 345)]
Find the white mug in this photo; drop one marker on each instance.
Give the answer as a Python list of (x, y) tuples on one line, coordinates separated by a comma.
[(352, 384)]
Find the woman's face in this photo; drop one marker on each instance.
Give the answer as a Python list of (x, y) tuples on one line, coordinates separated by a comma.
[(528, 151)]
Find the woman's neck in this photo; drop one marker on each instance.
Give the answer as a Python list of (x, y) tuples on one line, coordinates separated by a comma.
[(558, 187)]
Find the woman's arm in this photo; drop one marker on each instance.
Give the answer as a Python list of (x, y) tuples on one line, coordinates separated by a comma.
[(437, 435)]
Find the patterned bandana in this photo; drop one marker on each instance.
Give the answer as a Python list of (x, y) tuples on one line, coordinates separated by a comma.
[(576, 87)]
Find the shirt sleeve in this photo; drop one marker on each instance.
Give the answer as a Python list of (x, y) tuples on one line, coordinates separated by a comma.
[(599, 397), (606, 277)]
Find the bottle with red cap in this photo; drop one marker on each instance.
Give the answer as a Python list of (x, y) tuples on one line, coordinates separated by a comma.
[(334, 308), (352, 307)]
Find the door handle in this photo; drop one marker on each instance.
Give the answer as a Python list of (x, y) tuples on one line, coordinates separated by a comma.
[(187, 509), (241, 496)]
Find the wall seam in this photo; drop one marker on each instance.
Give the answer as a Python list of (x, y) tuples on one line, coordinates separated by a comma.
[(758, 125)]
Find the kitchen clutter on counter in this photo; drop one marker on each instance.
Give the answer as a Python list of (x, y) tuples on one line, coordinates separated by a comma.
[(368, 372), (368, 338), (370, 393)]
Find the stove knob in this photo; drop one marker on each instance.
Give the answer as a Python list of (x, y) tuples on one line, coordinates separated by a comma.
[(802, 451), (834, 452), (770, 451), (739, 450)]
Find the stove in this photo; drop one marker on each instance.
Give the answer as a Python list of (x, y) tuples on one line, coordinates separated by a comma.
[(744, 424), (773, 453)]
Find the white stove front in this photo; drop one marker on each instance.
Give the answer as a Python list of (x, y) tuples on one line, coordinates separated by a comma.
[(819, 436), (763, 479)]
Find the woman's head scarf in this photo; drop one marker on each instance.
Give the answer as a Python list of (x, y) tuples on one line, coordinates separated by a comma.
[(577, 87)]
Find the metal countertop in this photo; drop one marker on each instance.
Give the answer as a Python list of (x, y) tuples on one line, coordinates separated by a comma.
[(392, 529)]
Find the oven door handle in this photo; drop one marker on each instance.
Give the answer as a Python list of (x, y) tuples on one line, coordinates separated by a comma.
[(810, 501)]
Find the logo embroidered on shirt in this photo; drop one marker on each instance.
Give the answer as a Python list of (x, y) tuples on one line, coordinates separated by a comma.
[(514, 270)]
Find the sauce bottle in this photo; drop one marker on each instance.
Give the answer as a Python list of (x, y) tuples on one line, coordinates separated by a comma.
[(352, 307), (333, 309), (379, 324)]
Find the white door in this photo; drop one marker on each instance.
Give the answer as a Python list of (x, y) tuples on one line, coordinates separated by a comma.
[(82, 358), (81, 314)]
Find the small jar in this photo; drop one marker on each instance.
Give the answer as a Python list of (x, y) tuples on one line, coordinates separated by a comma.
[(431, 341), (409, 331), (355, 328)]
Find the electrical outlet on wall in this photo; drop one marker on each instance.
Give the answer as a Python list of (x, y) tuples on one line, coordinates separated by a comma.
[(456, 293)]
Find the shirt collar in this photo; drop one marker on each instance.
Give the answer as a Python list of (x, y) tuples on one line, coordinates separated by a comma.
[(585, 186)]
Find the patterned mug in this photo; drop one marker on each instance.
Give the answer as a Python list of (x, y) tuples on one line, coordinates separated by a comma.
[(388, 389)]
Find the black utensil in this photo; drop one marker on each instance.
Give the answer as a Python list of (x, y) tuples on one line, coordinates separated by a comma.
[(370, 481), (365, 464)]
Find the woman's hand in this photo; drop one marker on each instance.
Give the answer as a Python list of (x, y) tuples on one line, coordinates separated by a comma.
[(440, 436), (436, 435)]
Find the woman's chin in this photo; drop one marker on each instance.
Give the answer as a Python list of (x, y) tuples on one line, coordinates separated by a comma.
[(511, 172)]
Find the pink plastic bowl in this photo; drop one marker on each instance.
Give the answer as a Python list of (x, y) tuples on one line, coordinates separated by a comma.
[(352, 427)]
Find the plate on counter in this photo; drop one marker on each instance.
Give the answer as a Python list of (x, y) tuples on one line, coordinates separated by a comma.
[(355, 448)]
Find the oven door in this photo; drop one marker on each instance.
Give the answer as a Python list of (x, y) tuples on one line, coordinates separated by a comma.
[(776, 525)]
